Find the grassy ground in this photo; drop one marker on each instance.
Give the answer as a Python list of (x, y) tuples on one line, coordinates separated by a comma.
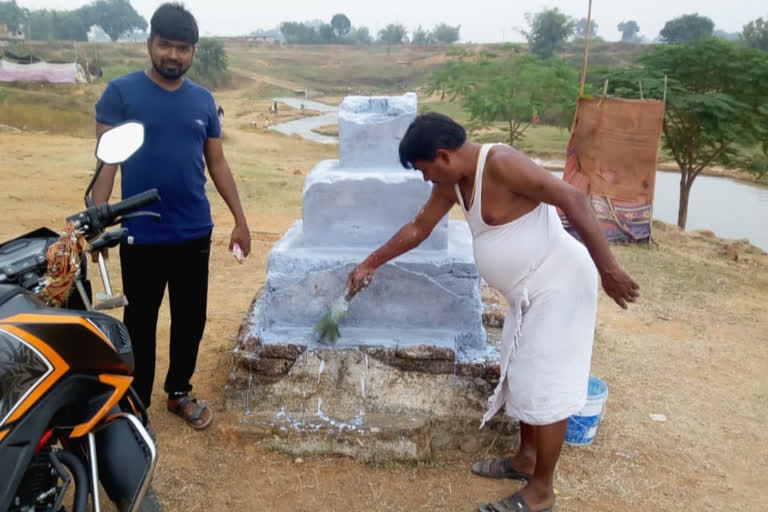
[(59, 108), (341, 69)]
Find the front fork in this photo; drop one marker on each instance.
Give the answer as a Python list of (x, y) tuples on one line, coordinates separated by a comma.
[(93, 469)]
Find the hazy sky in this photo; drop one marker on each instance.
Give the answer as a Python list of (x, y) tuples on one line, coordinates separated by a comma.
[(480, 20)]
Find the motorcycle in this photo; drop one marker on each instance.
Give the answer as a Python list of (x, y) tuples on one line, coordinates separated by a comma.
[(68, 414)]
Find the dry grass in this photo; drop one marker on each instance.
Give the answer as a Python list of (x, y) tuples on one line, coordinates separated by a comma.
[(42, 118)]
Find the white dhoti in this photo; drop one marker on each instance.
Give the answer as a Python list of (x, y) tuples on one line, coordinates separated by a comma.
[(550, 282)]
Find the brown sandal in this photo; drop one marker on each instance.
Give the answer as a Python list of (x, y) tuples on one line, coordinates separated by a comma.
[(193, 418)]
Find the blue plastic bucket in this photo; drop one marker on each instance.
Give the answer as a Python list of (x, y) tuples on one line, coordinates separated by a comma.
[(582, 426)]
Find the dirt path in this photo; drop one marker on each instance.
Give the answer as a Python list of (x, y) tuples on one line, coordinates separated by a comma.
[(258, 77), (695, 348)]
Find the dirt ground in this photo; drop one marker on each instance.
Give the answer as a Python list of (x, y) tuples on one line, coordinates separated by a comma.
[(694, 348)]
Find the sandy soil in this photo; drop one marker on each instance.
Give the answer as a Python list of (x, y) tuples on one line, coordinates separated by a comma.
[(695, 348)]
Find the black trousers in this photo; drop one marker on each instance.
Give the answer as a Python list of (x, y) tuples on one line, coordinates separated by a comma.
[(147, 270)]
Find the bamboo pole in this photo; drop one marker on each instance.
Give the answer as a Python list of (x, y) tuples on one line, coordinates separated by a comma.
[(586, 48)]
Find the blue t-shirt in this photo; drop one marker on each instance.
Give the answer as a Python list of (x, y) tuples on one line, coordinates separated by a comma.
[(177, 125)]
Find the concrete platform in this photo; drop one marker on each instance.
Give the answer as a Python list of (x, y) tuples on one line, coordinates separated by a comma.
[(371, 402)]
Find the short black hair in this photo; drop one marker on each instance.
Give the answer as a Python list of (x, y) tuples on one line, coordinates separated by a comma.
[(428, 133), (172, 21)]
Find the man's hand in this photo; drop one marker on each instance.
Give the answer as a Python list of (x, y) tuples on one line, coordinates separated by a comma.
[(619, 286), (358, 279), (242, 236)]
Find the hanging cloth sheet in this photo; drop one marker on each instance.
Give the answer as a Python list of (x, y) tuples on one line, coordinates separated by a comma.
[(612, 157)]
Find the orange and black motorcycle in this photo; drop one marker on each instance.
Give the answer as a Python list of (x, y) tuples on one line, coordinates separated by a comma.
[(69, 419)]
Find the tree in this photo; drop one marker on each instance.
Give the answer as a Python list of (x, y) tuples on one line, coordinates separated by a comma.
[(326, 34), (756, 34), (728, 36), (446, 34), (341, 25), (13, 15), (547, 31), (70, 25), (422, 37), (360, 35), (40, 25), (629, 30), (758, 164), (511, 91), (317, 32), (298, 33), (210, 67), (716, 103), (580, 28), (62, 25), (393, 34), (687, 29), (455, 78), (115, 17)]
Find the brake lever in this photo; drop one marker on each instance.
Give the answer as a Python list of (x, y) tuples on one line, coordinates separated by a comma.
[(138, 214)]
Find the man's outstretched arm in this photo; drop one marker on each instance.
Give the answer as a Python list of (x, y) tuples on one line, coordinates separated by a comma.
[(408, 237)]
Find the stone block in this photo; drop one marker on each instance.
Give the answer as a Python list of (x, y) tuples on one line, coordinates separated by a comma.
[(423, 298), (370, 130), (364, 208)]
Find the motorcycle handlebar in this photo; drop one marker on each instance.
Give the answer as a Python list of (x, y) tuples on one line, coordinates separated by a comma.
[(113, 211), (96, 218)]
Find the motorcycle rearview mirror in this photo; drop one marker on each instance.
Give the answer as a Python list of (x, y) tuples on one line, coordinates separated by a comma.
[(115, 146)]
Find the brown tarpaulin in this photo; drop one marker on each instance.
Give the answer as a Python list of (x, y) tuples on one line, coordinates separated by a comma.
[(612, 157)]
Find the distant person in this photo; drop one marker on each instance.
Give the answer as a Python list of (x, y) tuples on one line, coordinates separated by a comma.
[(221, 116), (182, 137), (547, 276)]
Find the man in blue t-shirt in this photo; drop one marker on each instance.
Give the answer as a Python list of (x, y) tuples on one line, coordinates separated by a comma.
[(182, 136)]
